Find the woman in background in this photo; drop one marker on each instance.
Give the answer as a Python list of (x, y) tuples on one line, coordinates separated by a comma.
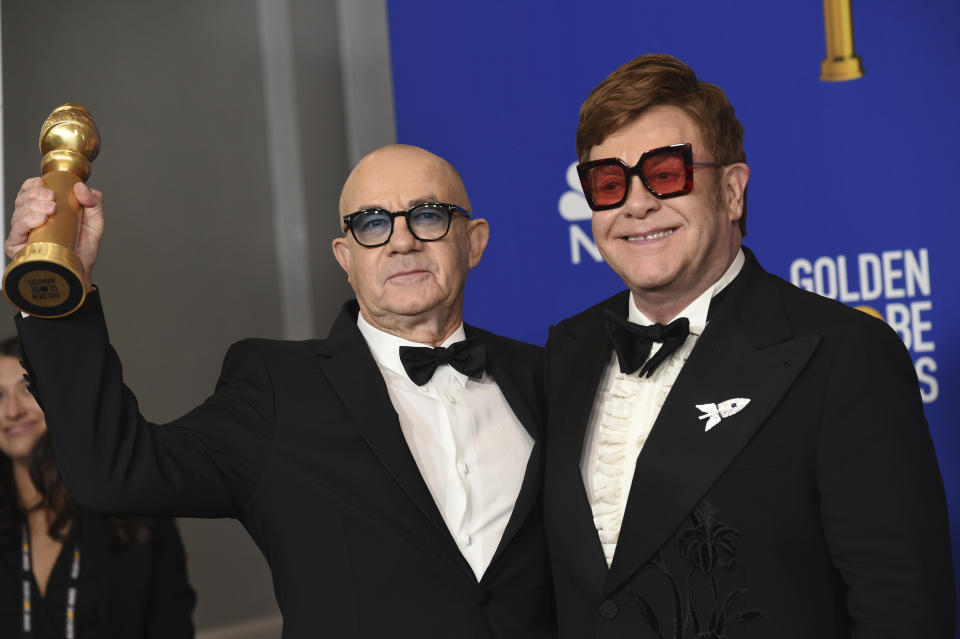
[(66, 573)]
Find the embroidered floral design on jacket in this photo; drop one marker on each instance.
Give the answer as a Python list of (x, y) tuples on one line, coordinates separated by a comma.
[(708, 546)]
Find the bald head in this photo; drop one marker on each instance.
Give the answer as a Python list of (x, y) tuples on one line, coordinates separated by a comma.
[(398, 176), (408, 286)]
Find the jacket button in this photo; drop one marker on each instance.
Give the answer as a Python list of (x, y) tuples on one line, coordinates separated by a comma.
[(608, 609), (483, 598)]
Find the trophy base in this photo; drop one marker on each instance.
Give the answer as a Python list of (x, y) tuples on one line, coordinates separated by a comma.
[(841, 69), (46, 280)]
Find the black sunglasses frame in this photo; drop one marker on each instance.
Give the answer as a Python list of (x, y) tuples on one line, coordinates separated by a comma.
[(392, 215), (686, 152)]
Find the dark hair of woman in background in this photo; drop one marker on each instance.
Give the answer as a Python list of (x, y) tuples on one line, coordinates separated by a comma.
[(65, 572)]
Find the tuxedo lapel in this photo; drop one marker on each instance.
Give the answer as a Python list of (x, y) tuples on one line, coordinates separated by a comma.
[(578, 366), (351, 371), (510, 375), (739, 355)]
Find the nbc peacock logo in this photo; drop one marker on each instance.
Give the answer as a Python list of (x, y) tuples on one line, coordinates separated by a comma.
[(573, 208)]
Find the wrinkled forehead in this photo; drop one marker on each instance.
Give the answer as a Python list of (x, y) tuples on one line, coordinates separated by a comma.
[(398, 180)]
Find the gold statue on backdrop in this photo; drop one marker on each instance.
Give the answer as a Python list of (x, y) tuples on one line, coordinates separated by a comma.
[(841, 62), (46, 277)]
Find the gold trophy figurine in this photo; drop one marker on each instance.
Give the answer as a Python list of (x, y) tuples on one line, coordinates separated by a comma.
[(46, 277)]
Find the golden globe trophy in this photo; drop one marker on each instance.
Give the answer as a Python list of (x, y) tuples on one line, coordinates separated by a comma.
[(46, 277)]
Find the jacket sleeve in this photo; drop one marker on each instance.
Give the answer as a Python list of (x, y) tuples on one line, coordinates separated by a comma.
[(205, 464), (882, 499)]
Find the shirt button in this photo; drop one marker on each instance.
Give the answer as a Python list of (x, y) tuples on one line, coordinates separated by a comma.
[(452, 400), (608, 609), (463, 468), (465, 540)]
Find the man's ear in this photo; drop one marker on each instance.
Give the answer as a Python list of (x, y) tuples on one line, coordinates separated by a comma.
[(733, 187), (478, 234), (341, 251)]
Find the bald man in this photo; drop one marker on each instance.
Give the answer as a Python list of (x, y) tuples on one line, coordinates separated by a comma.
[(390, 473)]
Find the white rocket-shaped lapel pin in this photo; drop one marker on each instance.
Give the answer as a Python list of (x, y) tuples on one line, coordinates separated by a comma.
[(713, 413)]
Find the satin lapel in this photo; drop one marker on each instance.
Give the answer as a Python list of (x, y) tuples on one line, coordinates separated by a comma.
[(576, 368), (681, 461), (351, 371), (520, 383)]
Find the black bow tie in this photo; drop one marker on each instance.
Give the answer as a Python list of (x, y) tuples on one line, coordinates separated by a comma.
[(467, 356), (633, 342)]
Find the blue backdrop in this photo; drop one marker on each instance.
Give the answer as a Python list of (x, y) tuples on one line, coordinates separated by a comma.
[(853, 184)]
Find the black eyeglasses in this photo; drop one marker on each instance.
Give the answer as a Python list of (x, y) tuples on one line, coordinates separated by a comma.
[(666, 172), (428, 222)]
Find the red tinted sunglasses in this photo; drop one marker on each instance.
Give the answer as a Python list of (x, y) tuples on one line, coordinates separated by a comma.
[(665, 172)]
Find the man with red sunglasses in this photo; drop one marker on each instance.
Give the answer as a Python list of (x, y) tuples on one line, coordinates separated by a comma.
[(728, 455)]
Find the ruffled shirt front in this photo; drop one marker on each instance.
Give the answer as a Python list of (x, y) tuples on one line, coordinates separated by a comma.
[(624, 411)]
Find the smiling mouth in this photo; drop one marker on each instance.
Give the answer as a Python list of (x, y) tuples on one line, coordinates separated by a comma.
[(656, 235), (19, 429)]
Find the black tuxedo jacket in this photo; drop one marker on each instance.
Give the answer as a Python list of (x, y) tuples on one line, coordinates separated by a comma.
[(815, 512), (301, 444)]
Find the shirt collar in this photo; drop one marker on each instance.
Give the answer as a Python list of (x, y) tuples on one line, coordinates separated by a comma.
[(385, 347), (697, 310)]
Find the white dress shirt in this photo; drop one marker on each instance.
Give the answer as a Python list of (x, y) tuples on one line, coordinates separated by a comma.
[(471, 449), (624, 411)]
